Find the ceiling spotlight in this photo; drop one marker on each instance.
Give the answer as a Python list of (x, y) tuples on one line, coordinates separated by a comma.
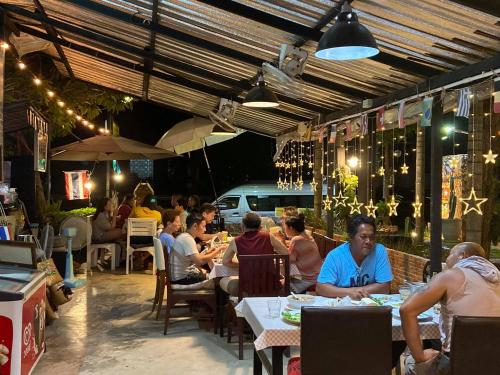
[(347, 39), (5, 45), (260, 96)]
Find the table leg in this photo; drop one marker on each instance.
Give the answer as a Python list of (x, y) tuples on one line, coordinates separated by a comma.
[(277, 358), (257, 364)]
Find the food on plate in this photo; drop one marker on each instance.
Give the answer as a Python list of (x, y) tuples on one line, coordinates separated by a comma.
[(290, 316), (368, 302), (299, 300)]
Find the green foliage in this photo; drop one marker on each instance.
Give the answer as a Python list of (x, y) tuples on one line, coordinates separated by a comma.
[(312, 220), (55, 215), (86, 99)]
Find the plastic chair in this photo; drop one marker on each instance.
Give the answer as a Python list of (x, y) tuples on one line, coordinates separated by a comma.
[(475, 343), (160, 276), (93, 249), (142, 228), (345, 341)]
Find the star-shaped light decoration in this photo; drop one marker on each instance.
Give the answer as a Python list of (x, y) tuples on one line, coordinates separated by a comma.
[(279, 183), (473, 203), (334, 174), (417, 206), (285, 184), (393, 205), (381, 171), (370, 209), (327, 203), (313, 184), (287, 166), (490, 157), (277, 164), (355, 206), (404, 169), (340, 199), (300, 184), (455, 163), (310, 164), (294, 165), (301, 162)]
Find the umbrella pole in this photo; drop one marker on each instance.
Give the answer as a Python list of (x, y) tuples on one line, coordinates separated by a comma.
[(213, 186)]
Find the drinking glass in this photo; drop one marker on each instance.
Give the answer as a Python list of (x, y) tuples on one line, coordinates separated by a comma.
[(404, 292), (274, 307)]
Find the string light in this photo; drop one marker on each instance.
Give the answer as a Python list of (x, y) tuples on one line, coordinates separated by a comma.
[(51, 94)]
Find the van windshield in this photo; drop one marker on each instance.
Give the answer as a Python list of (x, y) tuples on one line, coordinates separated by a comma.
[(270, 202)]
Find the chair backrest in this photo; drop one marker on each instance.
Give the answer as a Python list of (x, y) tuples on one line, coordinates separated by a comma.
[(346, 340), (260, 275), (475, 345), (159, 254), (141, 227)]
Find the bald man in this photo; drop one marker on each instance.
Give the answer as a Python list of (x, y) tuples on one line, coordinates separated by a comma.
[(470, 286)]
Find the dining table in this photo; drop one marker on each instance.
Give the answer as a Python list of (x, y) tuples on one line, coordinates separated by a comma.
[(277, 334)]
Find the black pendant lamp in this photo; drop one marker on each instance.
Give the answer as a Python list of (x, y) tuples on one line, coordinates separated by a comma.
[(347, 39), (261, 96)]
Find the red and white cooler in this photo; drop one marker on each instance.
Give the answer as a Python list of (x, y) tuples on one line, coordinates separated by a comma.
[(22, 319)]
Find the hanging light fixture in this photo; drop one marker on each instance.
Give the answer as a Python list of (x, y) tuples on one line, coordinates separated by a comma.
[(347, 39), (222, 130), (260, 96)]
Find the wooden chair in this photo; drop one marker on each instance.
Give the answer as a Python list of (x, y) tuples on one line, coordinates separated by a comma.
[(475, 343), (176, 295), (344, 341), (260, 276), (142, 228), (160, 276)]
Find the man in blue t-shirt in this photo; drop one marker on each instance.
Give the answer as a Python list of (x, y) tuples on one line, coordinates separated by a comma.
[(357, 268)]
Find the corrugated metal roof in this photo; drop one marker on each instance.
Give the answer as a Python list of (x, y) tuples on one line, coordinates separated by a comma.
[(204, 48)]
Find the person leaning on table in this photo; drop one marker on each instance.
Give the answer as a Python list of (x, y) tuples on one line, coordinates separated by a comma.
[(469, 287), (357, 268)]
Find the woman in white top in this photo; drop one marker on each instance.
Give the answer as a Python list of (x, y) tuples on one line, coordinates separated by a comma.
[(104, 222)]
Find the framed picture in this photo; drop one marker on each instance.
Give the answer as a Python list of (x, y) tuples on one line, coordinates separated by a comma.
[(41, 143)]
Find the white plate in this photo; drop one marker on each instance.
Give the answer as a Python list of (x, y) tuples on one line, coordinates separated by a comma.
[(426, 316)]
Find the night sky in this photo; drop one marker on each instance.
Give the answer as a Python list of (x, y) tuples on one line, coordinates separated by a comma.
[(247, 157)]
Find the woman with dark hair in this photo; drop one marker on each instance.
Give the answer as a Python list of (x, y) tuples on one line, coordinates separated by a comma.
[(303, 252), (104, 222)]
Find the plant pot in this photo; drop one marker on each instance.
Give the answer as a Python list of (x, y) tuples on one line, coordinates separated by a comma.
[(452, 229)]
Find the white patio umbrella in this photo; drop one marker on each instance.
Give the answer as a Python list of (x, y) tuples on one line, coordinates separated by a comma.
[(192, 134), (108, 147)]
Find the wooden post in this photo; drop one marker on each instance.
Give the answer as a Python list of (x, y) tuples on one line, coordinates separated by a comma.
[(318, 194), (420, 182), (3, 35), (436, 185), (363, 169), (331, 150), (475, 162)]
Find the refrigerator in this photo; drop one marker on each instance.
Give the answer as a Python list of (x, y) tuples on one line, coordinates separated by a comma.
[(22, 319)]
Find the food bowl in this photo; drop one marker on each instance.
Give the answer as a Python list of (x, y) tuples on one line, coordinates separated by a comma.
[(298, 300)]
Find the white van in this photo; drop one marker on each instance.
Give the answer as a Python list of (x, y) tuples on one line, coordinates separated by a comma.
[(262, 199)]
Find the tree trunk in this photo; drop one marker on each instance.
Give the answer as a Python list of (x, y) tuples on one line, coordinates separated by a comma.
[(474, 221), (490, 177), (318, 177), (420, 182)]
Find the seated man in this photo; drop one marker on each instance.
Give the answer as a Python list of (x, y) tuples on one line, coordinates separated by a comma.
[(147, 208), (208, 211), (185, 258), (470, 286), (357, 268), (253, 241)]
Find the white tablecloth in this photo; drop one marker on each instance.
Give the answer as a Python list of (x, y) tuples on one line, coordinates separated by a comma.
[(275, 332)]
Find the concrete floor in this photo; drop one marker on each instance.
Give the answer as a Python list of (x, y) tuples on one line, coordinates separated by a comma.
[(108, 328)]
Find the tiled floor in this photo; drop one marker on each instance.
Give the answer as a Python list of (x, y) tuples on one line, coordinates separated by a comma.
[(108, 328)]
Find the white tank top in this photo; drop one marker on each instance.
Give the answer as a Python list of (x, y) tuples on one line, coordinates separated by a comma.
[(475, 297)]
